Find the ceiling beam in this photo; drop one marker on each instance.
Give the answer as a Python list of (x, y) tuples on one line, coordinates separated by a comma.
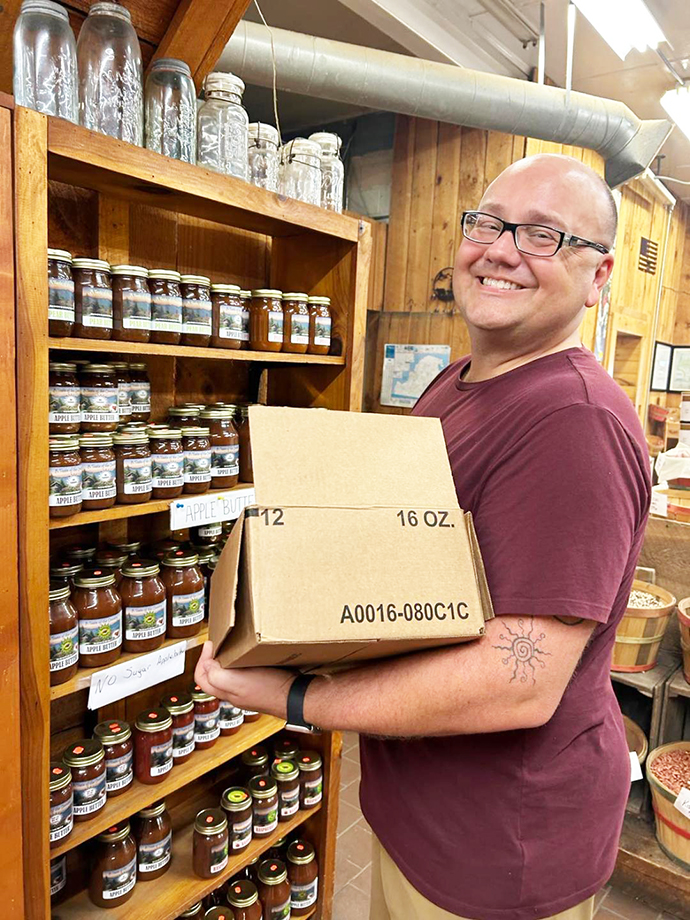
[(199, 31)]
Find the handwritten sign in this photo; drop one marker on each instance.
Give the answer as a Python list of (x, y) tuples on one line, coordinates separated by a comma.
[(635, 768), (137, 674), (659, 504), (682, 803), (198, 510)]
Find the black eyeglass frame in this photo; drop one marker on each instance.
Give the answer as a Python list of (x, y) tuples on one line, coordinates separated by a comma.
[(566, 239)]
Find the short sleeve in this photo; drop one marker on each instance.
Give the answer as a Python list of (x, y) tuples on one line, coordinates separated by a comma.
[(557, 518)]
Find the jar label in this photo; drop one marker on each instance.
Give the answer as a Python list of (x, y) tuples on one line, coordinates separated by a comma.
[(196, 317), (249, 712), (313, 792), (58, 875), (206, 727), (275, 326), (322, 330), (61, 821), (98, 480), (118, 772), (65, 405), (289, 802), (166, 313), (124, 404), (265, 820), (89, 795), (101, 635), (61, 299), (161, 758), (304, 896), (118, 882), (219, 857), (210, 530), (140, 396), (188, 609), (153, 856), (197, 466), (233, 323), (242, 833), (97, 307), (225, 460), (183, 740), (145, 622), (279, 912), (136, 310), (99, 404), (65, 485), (137, 475), (167, 470), (299, 331), (64, 649), (230, 717)]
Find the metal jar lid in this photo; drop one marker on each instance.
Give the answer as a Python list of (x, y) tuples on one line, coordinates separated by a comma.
[(80, 552), (296, 296), (84, 753), (140, 568), (112, 731), (63, 443), (236, 798), (163, 274), (65, 569), (130, 548), (63, 367), (178, 704), (205, 553), (119, 365), (183, 411), (255, 757), (309, 760), (192, 911), (262, 787), (98, 265), (220, 413), (286, 748), (242, 893), (164, 433), (201, 696), (326, 301), (284, 771), (259, 130), (180, 559), (95, 440), (132, 436), (137, 366), (94, 578), (97, 369), (60, 776), (60, 255), (272, 872), (194, 431), (201, 280), (115, 833), (210, 821), (245, 294), (223, 82), (153, 811), (58, 593), (225, 289), (328, 142), (111, 558), (136, 270), (154, 720), (300, 852), (267, 292)]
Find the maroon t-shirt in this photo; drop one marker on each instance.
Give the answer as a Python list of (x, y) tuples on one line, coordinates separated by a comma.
[(551, 460)]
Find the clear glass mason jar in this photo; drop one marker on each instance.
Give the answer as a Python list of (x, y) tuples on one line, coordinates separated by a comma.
[(300, 170), (111, 93), (171, 110), (45, 60), (264, 158), (222, 126), (332, 170)]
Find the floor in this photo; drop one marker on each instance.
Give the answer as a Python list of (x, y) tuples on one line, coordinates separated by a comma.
[(353, 855)]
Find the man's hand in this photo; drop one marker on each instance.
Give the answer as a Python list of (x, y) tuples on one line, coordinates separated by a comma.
[(258, 689)]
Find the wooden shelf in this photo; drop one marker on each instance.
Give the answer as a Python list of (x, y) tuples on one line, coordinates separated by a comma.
[(679, 685), (647, 681), (87, 159), (165, 898), (139, 796), (82, 679), (189, 351)]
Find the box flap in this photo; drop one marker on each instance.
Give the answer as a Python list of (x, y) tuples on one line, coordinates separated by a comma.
[(224, 587), (321, 457), (479, 570)]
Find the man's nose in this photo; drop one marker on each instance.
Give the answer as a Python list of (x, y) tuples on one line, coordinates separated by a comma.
[(504, 249)]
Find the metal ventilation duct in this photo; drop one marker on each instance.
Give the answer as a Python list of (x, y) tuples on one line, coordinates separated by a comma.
[(384, 81)]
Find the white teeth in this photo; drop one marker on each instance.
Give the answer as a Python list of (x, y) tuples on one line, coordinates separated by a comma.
[(504, 285)]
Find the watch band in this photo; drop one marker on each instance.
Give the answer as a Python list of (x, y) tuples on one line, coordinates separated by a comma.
[(295, 700)]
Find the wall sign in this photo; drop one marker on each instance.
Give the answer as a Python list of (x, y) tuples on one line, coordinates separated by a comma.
[(661, 367), (408, 370)]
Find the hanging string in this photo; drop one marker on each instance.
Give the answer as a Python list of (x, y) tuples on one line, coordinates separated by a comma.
[(275, 72)]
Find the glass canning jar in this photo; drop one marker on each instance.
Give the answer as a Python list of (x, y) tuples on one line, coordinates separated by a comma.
[(170, 104), (184, 585), (310, 778), (93, 299), (227, 319), (265, 803), (296, 323), (131, 303), (303, 874), (167, 462), (86, 760), (286, 775), (114, 867), (243, 898), (60, 293), (300, 170), (45, 60), (206, 718), (225, 447), (100, 617), (222, 132), (58, 879), (140, 392), (98, 487), (274, 888), (166, 306), (116, 738), (266, 320), (181, 708), (153, 746), (320, 325), (154, 842), (183, 416), (64, 411), (64, 471), (99, 398), (196, 310), (64, 634), (124, 388), (332, 170), (264, 158), (246, 469), (197, 460), (236, 802), (61, 803), (210, 843), (143, 603), (133, 463), (63, 572), (111, 94)]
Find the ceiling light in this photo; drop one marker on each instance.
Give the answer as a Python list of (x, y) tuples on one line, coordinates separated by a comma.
[(677, 104), (623, 24)]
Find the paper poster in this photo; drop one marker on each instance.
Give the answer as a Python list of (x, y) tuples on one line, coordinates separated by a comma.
[(408, 370)]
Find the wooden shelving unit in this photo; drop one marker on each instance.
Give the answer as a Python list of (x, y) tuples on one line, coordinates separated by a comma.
[(99, 197)]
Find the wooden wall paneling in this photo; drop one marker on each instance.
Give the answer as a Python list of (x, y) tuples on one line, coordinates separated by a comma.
[(11, 893), (222, 253), (31, 234), (153, 236), (113, 230), (73, 219), (444, 239), (150, 18), (401, 203), (198, 379), (499, 155), (418, 280), (377, 274), (472, 184)]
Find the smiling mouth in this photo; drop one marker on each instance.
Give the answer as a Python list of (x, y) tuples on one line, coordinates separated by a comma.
[(500, 285)]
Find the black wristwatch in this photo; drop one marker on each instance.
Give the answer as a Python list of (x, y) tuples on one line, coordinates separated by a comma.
[(295, 702)]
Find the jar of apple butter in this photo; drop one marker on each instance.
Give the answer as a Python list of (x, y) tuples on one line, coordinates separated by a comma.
[(251, 716), (61, 803), (255, 761), (131, 303), (181, 708), (231, 718), (99, 608), (132, 548), (64, 413), (80, 552), (210, 843), (207, 533), (225, 449), (206, 555), (228, 330), (133, 464), (264, 792), (140, 392), (274, 889), (296, 329), (98, 486), (60, 293), (303, 875), (144, 607), (99, 398), (195, 912), (183, 416), (310, 778), (116, 738), (166, 306), (206, 718), (124, 387), (114, 871), (246, 470), (58, 878), (153, 746), (184, 585), (286, 748), (167, 462), (236, 802), (112, 561), (93, 299), (266, 320), (65, 496), (197, 460), (243, 898), (64, 635), (62, 572), (286, 775), (153, 835), (86, 760), (196, 309), (319, 325)]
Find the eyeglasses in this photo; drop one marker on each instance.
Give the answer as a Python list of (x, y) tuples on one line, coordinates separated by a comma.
[(531, 239)]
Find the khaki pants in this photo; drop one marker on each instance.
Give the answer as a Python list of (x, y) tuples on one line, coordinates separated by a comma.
[(394, 898)]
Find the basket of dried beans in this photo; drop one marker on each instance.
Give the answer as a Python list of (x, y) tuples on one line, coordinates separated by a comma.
[(668, 772), (642, 628), (684, 625)]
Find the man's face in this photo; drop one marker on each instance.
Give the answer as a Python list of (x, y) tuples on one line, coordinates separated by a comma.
[(546, 295)]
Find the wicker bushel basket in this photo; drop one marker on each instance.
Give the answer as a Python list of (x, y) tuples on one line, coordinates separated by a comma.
[(672, 827), (684, 624), (641, 630), (636, 738)]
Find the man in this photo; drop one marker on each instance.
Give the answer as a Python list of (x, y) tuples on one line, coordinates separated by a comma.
[(495, 773)]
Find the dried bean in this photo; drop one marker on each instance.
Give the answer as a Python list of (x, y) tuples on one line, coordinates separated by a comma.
[(673, 770), (644, 599)]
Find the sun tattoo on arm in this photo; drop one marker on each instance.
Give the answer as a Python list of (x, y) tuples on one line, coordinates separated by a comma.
[(524, 652)]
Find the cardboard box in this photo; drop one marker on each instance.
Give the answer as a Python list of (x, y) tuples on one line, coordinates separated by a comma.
[(356, 548)]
